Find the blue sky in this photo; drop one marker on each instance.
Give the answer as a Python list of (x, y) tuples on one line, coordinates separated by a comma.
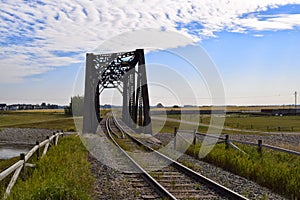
[(254, 46)]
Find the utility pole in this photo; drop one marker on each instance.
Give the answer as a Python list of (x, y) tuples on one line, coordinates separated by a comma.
[(295, 99)]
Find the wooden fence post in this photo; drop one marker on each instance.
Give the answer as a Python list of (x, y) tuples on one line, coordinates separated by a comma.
[(38, 150), (195, 139), (48, 138), (46, 146), (175, 133), (54, 138), (22, 157), (226, 141), (259, 149)]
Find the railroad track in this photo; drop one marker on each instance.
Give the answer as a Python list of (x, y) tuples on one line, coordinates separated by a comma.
[(127, 167), (170, 179)]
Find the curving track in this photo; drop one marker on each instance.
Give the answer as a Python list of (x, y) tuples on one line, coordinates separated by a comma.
[(167, 177)]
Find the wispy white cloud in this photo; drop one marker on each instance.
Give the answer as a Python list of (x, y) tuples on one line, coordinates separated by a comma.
[(278, 22), (32, 31), (258, 35)]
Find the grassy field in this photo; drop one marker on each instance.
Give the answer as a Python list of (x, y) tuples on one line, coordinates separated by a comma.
[(64, 173), (56, 119), (275, 170), (49, 119), (264, 123), (252, 122), (168, 126), (227, 108)]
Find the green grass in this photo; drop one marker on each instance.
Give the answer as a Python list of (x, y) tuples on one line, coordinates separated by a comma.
[(103, 112), (276, 170), (264, 123), (59, 124), (251, 122), (48, 120), (4, 164), (64, 173)]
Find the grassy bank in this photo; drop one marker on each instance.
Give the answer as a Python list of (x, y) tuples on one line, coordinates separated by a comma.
[(64, 173), (276, 170)]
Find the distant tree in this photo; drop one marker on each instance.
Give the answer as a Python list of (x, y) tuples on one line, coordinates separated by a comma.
[(175, 106), (68, 109), (107, 106), (159, 105), (76, 106), (43, 104), (52, 106)]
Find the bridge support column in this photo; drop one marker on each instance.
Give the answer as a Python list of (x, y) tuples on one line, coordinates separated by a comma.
[(91, 98)]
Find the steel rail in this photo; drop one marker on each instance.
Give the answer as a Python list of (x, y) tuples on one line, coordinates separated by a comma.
[(147, 177), (218, 187)]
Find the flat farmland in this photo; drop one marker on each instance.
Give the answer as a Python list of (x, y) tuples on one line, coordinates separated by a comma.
[(227, 108), (249, 122), (239, 118), (49, 119)]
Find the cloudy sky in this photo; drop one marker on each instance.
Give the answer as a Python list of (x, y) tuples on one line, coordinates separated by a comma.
[(254, 44)]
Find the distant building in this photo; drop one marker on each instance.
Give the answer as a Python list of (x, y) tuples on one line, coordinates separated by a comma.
[(281, 112), (28, 107), (2, 106), (13, 107)]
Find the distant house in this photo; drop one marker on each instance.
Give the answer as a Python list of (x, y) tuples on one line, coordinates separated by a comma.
[(13, 107), (281, 112), (37, 107), (2, 106)]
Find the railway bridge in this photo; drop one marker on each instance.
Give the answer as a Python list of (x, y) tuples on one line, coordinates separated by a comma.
[(125, 71)]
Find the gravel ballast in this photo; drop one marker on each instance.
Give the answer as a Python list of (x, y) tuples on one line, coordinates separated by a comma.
[(237, 183), (113, 184)]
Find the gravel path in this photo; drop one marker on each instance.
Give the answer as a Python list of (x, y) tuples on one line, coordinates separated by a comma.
[(26, 136), (287, 141), (239, 184)]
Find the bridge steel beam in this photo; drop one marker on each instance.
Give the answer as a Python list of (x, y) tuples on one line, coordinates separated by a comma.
[(108, 71)]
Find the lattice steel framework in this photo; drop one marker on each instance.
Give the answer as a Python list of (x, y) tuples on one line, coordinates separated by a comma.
[(125, 71)]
